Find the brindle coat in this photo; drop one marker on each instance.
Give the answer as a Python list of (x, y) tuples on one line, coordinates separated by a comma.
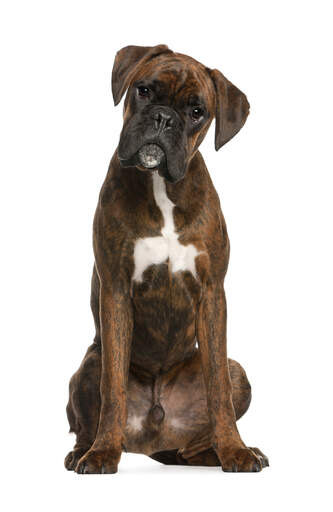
[(157, 379)]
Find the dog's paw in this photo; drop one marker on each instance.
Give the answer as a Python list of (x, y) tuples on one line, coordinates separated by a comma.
[(263, 459), (97, 462), (73, 457), (249, 460)]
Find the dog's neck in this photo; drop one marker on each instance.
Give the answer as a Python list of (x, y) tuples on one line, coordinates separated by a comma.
[(187, 194)]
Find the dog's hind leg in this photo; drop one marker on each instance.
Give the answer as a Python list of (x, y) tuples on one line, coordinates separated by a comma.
[(84, 394), (198, 452), (84, 404)]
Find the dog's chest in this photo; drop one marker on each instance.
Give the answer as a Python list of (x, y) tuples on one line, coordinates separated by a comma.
[(166, 247)]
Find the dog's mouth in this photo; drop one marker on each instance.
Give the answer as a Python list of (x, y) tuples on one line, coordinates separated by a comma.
[(151, 156)]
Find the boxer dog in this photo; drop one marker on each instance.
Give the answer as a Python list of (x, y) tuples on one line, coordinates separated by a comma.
[(157, 379)]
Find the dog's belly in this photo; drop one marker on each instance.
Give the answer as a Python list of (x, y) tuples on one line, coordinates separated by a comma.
[(181, 394), (165, 306)]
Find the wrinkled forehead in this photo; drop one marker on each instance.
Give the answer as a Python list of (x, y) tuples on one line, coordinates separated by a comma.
[(179, 78)]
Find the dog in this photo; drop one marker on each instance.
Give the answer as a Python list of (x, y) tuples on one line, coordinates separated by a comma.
[(157, 380)]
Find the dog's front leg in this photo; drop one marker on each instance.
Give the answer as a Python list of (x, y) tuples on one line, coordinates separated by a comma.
[(116, 334), (211, 334)]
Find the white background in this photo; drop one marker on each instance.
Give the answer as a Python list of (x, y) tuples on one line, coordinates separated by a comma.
[(58, 131)]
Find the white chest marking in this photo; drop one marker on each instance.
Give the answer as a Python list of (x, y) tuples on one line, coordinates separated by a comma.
[(158, 249)]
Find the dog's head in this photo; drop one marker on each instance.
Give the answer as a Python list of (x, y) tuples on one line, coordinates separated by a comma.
[(170, 103)]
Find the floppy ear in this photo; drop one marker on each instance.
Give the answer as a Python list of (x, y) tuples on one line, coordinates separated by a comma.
[(232, 109), (126, 63)]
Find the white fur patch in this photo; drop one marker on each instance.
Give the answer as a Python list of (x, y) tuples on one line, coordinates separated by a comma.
[(159, 249), (134, 423), (176, 423)]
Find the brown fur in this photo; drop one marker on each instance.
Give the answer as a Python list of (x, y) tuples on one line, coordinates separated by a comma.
[(144, 386)]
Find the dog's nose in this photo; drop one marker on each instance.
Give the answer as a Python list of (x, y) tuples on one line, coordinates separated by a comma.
[(162, 120)]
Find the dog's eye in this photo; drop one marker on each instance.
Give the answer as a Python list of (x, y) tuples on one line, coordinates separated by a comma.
[(196, 113), (143, 91)]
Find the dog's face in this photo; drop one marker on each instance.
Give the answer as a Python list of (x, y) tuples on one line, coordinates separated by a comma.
[(170, 103)]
